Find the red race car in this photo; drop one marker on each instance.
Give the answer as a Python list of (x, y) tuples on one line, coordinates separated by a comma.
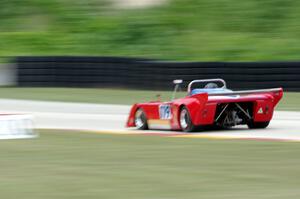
[(210, 104)]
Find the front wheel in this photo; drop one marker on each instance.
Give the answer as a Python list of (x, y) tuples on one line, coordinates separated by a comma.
[(185, 121), (258, 125), (140, 120)]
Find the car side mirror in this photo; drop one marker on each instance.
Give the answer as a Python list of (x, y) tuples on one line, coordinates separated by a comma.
[(177, 83)]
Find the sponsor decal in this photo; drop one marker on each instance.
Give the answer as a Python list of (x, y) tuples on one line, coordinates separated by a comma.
[(159, 124)]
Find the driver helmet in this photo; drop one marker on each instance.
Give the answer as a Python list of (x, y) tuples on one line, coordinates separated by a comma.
[(211, 85)]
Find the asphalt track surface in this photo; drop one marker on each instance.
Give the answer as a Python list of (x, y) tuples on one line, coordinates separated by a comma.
[(98, 118)]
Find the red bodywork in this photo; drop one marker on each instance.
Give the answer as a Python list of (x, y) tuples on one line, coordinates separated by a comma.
[(202, 108)]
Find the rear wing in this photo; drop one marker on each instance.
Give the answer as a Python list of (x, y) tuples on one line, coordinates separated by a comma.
[(277, 93), (247, 92)]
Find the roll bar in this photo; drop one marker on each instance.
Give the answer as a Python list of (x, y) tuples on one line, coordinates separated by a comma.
[(205, 80)]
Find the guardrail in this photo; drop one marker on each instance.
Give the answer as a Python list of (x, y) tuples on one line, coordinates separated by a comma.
[(151, 74)]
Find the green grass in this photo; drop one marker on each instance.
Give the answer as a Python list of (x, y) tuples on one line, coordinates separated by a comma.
[(290, 100), (106, 96), (78, 165), (201, 30)]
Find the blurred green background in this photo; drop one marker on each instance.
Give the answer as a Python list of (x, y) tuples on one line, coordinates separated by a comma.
[(202, 30)]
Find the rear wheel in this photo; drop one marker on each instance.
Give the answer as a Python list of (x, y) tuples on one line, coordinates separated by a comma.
[(258, 125), (185, 121), (140, 120)]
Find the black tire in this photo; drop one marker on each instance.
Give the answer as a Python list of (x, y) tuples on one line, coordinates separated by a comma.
[(140, 120), (185, 121), (258, 125)]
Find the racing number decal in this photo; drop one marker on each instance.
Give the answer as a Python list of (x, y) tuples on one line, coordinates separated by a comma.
[(165, 112)]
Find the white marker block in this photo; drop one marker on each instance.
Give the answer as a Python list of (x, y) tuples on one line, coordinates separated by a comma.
[(16, 126)]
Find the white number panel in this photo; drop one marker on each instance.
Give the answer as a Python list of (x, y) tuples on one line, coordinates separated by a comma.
[(165, 112)]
